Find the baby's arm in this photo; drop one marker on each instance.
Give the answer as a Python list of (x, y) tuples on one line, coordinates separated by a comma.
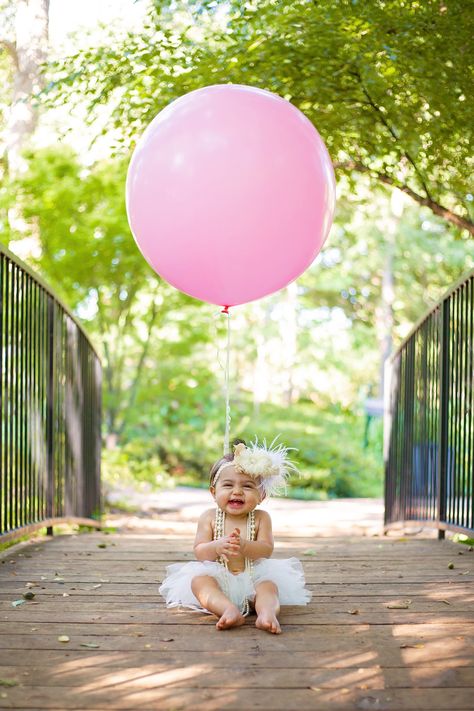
[(205, 548), (263, 546)]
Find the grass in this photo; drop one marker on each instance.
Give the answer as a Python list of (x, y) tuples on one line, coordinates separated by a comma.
[(329, 451)]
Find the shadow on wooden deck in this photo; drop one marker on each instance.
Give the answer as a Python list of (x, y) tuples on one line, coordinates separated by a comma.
[(390, 626)]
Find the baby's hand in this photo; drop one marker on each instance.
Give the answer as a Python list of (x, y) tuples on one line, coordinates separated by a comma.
[(235, 535), (228, 546)]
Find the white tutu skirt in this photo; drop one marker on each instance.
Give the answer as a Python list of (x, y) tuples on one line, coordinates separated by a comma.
[(287, 574)]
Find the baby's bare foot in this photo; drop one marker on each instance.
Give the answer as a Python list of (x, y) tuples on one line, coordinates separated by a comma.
[(231, 617), (268, 621)]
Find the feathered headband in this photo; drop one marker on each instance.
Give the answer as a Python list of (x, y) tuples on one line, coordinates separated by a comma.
[(270, 464)]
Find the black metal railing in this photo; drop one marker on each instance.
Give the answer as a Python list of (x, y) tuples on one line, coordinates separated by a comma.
[(429, 462), (50, 408)]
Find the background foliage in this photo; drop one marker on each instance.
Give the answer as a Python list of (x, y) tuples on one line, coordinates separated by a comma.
[(386, 84)]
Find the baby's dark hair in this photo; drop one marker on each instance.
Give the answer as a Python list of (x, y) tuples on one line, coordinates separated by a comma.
[(226, 458)]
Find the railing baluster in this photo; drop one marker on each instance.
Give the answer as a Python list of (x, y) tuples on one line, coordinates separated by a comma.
[(470, 405), (430, 446), (49, 408), (2, 386)]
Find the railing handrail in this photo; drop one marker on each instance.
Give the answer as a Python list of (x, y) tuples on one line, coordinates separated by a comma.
[(41, 282), (429, 446), (465, 276)]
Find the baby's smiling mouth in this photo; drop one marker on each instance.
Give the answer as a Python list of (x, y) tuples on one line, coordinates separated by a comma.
[(236, 501)]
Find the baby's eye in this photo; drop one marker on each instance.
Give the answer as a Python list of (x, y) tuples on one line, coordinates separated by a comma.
[(248, 486)]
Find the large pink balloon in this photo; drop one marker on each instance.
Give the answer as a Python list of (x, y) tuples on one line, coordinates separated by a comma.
[(230, 193)]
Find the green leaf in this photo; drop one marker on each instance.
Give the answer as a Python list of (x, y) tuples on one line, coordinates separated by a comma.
[(17, 603)]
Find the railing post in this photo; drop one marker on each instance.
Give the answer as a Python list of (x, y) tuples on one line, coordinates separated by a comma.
[(50, 419), (443, 415)]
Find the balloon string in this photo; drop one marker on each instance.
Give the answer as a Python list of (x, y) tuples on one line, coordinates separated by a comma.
[(226, 387)]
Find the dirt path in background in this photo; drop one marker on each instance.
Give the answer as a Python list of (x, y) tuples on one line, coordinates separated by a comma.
[(178, 510)]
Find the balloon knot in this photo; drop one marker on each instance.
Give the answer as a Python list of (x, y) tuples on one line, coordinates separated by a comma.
[(225, 310)]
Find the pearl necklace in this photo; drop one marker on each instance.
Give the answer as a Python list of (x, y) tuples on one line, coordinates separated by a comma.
[(219, 532)]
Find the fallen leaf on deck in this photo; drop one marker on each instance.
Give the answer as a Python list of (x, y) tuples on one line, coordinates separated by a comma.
[(412, 646), (17, 603), (99, 585), (309, 552), (402, 605), (147, 646), (446, 602), (63, 638), (90, 645), (31, 585), (102, 545), (167, 639), (28, 595), (8, 682), (353, 612)]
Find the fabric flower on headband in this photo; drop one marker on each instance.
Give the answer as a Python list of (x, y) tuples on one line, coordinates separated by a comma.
[(269, 464)]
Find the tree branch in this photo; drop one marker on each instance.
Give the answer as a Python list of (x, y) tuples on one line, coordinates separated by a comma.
[(463, 223), (108, 370), (138, 372), (391, 130)]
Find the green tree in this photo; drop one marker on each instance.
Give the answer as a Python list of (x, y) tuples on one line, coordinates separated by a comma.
[(386, 82), (89, 258)]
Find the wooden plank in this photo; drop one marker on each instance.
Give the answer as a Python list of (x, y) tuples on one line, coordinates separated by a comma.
[(432, 567), (172, 697), (321, 577), (151, 657), (244, 676), (121, 609), (456, 603), (288, 616), (64, 658), (310, 550), (384, 642), (454, 588), (149, 546), (166, 550)]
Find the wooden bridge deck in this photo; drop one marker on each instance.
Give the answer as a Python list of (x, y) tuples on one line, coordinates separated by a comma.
[(390, 627)]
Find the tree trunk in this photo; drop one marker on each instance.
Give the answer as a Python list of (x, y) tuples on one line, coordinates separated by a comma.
[(28, 51), (289, 334), (385, 311), (261, 381)]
